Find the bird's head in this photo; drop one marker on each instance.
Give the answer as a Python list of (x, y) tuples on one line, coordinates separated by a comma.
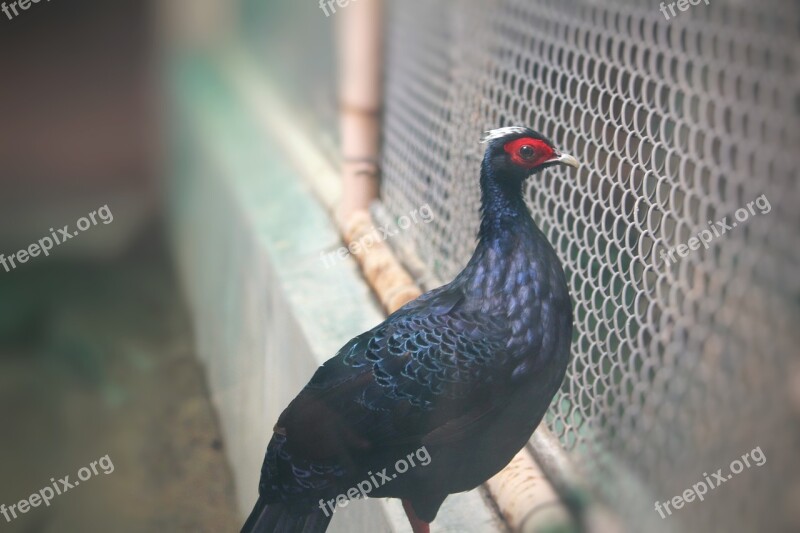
[(517, 152)]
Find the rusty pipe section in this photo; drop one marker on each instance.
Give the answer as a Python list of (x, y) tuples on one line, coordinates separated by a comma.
[(386, 275), (526, 499), (359, 35)]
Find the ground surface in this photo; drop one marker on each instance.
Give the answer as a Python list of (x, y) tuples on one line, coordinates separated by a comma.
[(96, 359)]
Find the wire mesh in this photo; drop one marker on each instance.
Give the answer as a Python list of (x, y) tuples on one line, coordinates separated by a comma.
[(680, 366)]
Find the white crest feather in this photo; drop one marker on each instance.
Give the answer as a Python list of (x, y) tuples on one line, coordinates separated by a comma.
[(498, 133)]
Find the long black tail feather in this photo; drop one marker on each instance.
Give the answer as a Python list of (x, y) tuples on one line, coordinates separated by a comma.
[(276, 518)]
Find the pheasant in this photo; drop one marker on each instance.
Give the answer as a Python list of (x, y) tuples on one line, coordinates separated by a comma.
[(465, 372)]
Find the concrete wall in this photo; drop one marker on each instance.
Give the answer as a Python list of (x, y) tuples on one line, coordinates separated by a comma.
[(247, 236)]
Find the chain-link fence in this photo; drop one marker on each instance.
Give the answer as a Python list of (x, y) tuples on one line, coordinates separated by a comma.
[(684, 124)]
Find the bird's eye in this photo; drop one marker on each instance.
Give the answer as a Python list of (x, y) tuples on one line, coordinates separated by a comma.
[(526, 152)]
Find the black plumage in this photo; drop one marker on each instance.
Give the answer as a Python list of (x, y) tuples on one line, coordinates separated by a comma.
[(466, 371)]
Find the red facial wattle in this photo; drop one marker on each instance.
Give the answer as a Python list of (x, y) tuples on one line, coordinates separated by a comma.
[(542, 152)]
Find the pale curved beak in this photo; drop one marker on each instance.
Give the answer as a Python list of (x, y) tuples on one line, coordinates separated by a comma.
[(566, 159)]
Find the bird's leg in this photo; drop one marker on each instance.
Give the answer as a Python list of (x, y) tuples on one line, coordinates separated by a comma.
[(417, 524)]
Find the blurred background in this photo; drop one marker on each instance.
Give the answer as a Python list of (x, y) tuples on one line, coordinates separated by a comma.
[(234, 142), (96, 349)]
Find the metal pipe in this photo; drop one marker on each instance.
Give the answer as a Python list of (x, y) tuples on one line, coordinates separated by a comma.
[(360, 56)]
